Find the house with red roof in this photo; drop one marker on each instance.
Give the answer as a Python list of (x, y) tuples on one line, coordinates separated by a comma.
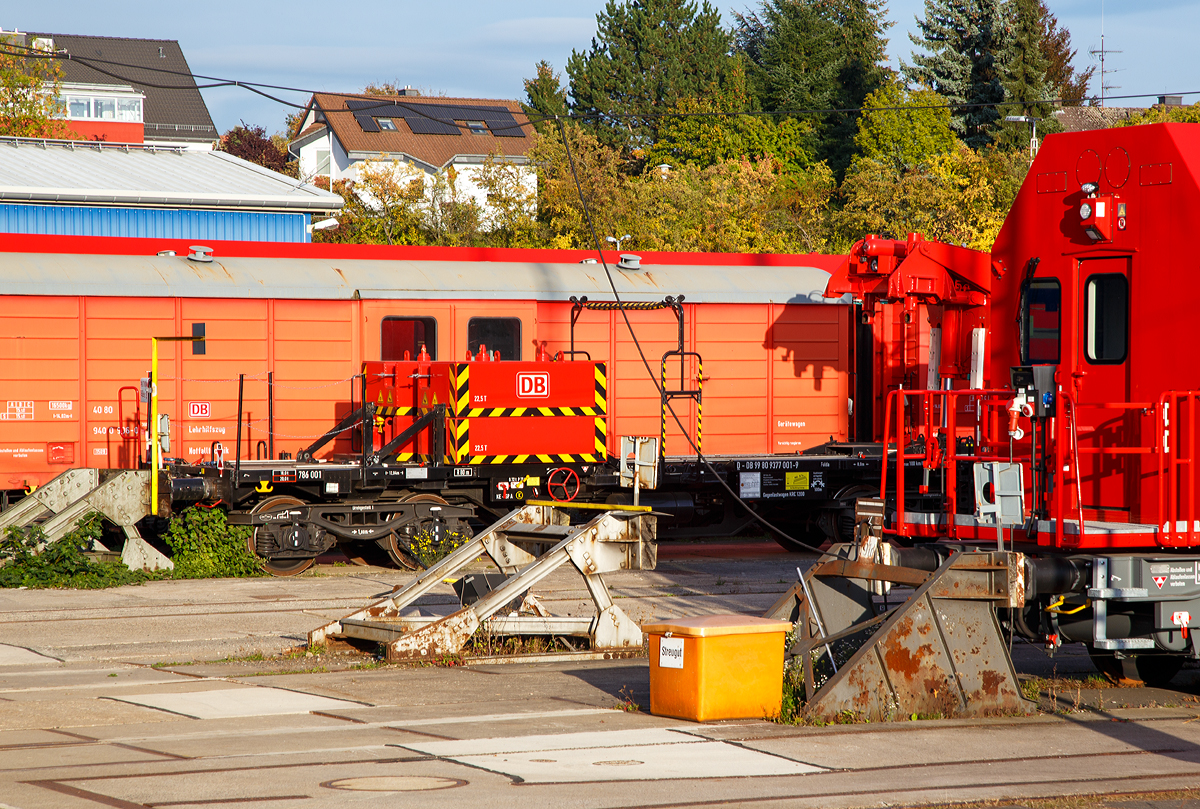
[(426, 134)]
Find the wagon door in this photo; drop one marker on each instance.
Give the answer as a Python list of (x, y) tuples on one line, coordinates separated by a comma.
[(1108, 428)]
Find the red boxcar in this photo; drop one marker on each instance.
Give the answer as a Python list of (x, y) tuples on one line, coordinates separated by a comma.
[(77, 315)]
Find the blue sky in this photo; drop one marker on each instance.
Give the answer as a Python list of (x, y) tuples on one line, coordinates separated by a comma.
[(484, 49)]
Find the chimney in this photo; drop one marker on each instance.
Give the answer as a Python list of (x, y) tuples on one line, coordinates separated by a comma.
[(1171, 101)]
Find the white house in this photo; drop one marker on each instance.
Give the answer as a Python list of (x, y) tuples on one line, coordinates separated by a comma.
[(339, 132)]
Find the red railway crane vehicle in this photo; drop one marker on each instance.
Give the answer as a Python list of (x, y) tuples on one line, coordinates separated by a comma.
[(1057, 411)]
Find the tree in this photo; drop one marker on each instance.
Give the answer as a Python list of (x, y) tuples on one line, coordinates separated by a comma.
[(252, 143), (452, 217), (820, 56), (391, 197), (545, 95), (904, 128), (703, 135), (963, 43), (30, 85), (1062, 79), (646, 56), (961, 197), (510, 218), (1161, 114), (1025, 61)]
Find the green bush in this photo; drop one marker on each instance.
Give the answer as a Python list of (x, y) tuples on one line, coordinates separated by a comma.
[(205, 546), (62, 563)]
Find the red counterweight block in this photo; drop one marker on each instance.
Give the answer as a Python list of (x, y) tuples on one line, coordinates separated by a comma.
[(531, 408)]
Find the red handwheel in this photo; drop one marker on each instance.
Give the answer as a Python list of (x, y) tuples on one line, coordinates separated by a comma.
[(569, 484)]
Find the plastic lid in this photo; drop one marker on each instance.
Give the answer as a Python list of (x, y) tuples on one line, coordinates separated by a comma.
[(707, 626)]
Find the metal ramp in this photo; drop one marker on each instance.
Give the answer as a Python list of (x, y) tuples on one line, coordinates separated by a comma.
[(527, 545), (938, 653), (121, 495)]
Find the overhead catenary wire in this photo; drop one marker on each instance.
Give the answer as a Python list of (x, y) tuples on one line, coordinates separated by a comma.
[(637, 344), (23, 51)]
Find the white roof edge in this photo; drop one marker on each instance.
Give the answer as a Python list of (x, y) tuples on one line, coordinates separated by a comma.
[(168, 198)]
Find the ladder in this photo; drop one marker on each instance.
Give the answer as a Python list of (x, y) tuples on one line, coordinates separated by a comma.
[(121, 495), (527, 544)]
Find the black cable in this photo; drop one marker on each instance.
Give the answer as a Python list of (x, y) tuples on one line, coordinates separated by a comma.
[(637, 344), (33, 53)]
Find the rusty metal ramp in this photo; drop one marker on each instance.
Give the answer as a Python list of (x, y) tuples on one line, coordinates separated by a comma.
[(939, 653), (122, 496), (527, 545)]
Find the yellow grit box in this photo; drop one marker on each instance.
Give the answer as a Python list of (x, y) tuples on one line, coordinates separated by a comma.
[(716, 667)]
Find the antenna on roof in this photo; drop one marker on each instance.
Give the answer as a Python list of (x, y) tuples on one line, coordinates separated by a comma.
[(1102, 51)]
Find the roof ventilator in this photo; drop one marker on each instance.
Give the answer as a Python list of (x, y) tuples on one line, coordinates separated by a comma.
[(630, 263), (200, 253)]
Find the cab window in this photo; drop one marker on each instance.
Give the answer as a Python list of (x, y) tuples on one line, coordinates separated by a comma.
[(1041, 321), (499, 334), (407, 334), (1107, 312)]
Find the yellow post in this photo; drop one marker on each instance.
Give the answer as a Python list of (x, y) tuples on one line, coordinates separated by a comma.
[(154, 456), (155, 447)]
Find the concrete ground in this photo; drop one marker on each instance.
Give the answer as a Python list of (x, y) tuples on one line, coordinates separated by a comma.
[(177, 694)]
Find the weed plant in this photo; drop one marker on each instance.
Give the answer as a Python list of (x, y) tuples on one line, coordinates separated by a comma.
[(63, 563), (205, 546)]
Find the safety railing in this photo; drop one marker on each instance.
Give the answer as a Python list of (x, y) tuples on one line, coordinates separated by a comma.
[(936, 415), (1177, 493)]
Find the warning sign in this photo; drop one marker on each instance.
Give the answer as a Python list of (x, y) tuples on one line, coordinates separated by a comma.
[(1160, 581), (796, 481)]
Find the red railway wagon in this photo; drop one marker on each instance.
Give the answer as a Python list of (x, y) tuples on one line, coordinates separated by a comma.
[(77, 315)]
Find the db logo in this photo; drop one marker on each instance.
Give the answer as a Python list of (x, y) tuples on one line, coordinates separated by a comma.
[(533, 386), (198, 410)]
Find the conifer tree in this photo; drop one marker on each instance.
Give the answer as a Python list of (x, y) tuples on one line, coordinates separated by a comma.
[(645, 57), (545, 96), (825, 55), (963, 43)]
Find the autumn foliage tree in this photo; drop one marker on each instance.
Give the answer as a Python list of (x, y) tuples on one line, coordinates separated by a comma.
[(252, 143), (30, 84)]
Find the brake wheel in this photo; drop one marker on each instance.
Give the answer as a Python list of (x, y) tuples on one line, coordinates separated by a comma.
[(280, 567)]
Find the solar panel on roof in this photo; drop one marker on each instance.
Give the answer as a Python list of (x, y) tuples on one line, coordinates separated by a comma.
[(435, 119)]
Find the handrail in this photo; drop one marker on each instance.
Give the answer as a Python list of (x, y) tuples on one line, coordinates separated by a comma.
[(1171, 459), (933, 455)]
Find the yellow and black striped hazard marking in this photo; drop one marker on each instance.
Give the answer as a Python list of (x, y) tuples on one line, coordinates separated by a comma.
[(520, 412), (462, 388), (394, 411), (460, 439), (481, 460)]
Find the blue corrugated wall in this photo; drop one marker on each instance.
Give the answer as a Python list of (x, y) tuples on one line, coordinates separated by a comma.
[(70, 220)]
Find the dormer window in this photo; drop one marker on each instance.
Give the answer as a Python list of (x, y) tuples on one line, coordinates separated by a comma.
[(476, 127), (386, 125)]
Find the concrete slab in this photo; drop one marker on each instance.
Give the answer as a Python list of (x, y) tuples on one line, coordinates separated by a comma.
[(75, 713), (558, 741), (20, 656), (227, 702), (660, 762), (621, 755)]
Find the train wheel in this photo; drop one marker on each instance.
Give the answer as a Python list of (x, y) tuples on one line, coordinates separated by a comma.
[(397, 548), (283, 567)]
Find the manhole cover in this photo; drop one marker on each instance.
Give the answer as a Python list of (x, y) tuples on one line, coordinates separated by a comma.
[(621, 762), (394, 783)]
